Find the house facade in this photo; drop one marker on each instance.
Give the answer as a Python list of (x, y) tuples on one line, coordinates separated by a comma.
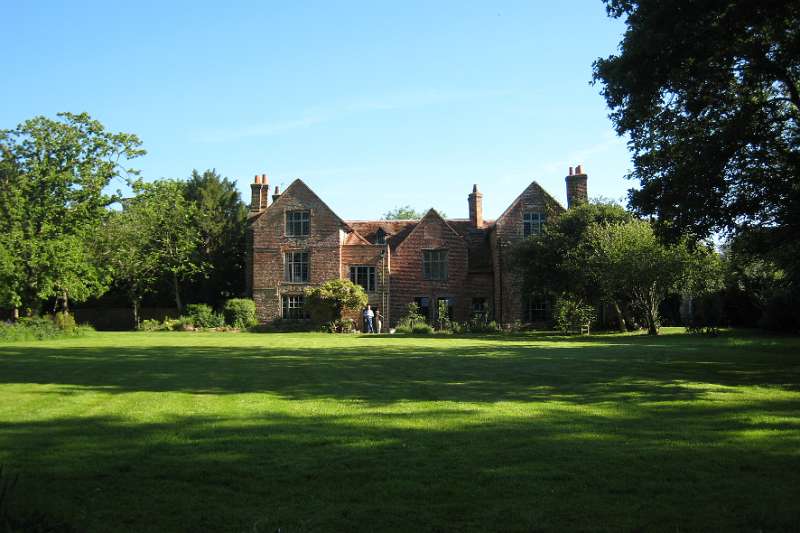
[(296, 241)]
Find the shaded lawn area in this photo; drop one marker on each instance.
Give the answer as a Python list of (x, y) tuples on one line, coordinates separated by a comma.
[(314, 432)]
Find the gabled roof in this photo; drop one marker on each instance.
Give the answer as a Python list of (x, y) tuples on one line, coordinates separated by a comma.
[(431, 214), (299, 184), (534, 185)]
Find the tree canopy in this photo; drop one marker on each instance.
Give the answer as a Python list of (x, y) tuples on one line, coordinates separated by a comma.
[(709, 95), (600, 253), (406, 212), (221, 218), (53, 173)]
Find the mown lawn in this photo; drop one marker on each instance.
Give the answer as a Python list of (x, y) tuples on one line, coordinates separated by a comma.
[(313, 432)]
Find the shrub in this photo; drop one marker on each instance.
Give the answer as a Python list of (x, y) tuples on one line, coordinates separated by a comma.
[(570, 314), (421, 328), (152, 324), (341, 325), (203, 316), (182, 323), (40, 328), (240, 313), (327, 302), (64, 321), (411, 319), (479, 325)]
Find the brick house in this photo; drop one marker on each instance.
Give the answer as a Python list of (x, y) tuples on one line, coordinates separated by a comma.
[(296, 241)]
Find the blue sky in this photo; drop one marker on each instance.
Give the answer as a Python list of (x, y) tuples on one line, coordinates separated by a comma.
[(373, 104)]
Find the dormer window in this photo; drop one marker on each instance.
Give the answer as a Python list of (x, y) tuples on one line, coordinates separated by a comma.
[(380, 236), (297, 223), (532, 223)]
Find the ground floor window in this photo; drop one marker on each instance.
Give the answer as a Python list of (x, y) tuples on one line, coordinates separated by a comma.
[(364, 276), (480, 310), (294, 306), (444, 308), (424, 304), (537, 310)]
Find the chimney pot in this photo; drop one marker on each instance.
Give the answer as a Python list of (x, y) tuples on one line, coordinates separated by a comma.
[(475, 201), (576, 187), (264, 179), (258, 194)]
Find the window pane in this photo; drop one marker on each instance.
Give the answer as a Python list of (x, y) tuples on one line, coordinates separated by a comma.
[(294, 306), (297, 223), (364, 276), (434, 264), (296, 267)]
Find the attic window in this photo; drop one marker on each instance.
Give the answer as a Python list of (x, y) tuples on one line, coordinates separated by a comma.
[(532, 224), (380, 236), (297, 223)]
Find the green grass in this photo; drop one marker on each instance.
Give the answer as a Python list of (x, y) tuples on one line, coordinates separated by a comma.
[(313, 432)]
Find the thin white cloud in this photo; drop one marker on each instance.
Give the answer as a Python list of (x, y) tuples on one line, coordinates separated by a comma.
[(312, 117)]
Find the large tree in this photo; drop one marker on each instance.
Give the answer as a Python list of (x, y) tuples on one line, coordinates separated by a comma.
[(709, 95), (160, 209), (221, 218), (53, 174), (626, 259), (547, 262)]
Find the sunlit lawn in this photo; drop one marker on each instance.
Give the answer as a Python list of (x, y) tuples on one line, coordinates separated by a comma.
[(313, 432)]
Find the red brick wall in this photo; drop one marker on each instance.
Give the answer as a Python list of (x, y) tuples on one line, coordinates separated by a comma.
[(508, 230), (270, 243), (407, 282), (399, 273), (370, 255)]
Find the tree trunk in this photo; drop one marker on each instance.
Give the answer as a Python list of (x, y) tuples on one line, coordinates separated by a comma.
[(175, 285), (66, 302), (136, 313), (652, 317), (621, 325), (630, 321), (15, 314)]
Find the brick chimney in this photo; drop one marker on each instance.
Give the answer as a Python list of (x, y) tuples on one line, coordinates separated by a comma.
[(276, 194), (576, 187), (476, 207), (259, 193)]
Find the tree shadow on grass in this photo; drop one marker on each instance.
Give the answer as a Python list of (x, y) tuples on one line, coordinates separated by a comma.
[(381, 371), (333, 472), (478, 434)]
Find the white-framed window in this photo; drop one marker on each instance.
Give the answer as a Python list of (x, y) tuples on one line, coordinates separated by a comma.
[(297, 223), (296, 267), (294, 306), (363, 275), (434, 264), (532, 223)]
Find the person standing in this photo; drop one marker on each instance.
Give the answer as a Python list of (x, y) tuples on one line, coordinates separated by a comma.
[(378, 321), (368, 316)]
